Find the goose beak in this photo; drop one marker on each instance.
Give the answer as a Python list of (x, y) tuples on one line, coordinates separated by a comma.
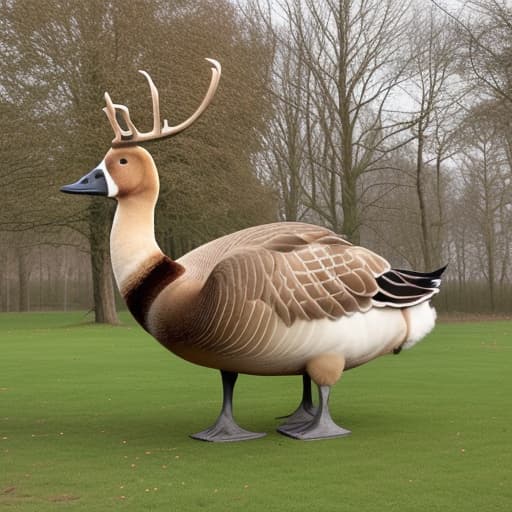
[(93, 184)]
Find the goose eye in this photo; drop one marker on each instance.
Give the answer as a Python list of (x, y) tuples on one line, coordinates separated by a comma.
[(123, 161)]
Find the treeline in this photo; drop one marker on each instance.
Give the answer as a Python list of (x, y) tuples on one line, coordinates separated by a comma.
[(388, 121), (45, 278)]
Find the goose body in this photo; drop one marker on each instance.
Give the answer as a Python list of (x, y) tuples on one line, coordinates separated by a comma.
[(239, 303), (286, 298)]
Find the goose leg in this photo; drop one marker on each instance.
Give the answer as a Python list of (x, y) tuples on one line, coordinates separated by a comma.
[(322, 426), (304, 413), (225, 429)]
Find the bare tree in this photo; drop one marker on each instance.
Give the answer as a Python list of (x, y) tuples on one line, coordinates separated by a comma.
[(486, 28), (487, 194), (337, 74), (284, 158), (436, 94)]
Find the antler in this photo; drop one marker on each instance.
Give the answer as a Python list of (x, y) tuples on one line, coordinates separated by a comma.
[(132, 136)]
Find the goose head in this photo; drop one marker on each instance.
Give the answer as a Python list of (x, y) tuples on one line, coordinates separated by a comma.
[(124, 172), (128, 170)]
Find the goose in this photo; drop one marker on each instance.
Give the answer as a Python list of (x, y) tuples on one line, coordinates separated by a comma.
[(286, 298)]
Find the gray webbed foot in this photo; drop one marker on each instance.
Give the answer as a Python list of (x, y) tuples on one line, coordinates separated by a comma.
[(320, 426), (304, 413), (225, 429)]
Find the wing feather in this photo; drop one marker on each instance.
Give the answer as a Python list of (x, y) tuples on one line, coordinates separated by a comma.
[(297, 276)]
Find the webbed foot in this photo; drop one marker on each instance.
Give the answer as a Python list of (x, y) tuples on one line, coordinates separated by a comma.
[(225, 429), (319, 426)]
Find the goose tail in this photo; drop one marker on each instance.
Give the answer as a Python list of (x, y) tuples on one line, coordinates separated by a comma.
[(405, 288)]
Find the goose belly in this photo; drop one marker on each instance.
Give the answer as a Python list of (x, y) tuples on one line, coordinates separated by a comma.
[(285, 350), (359, 338)]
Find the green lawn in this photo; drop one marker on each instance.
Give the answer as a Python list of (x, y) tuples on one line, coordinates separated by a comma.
[(97, 419)]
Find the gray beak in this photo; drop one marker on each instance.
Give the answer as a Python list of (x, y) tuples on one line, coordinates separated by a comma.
[(93, 184)]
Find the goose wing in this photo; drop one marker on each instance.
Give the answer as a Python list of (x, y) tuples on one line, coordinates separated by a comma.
[(298, 276)]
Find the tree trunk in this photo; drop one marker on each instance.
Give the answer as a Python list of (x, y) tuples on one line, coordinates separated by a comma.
[(100, 220), (420, 191), (293, 193), (7, 290), (439, 237), (65, 280), (491, 269), (23, 281), (350, 227)]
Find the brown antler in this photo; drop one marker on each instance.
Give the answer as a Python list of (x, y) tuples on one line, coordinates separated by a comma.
[(132, 136)]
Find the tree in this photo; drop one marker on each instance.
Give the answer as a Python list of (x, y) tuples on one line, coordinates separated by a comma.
[(436, 94), (60, 56), (488, 192), (62, 52), (486, 28), (341, 61), (284, 159)]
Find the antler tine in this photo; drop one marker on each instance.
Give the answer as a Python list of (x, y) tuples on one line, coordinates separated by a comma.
[(156, 103), (214, 82), (111, 114), (133, 136), (111, 110)]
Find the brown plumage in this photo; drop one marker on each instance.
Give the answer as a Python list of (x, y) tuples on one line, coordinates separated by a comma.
[(147, 284)]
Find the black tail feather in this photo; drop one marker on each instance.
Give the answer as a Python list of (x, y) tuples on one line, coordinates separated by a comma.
[(403, 288), (436, 274)]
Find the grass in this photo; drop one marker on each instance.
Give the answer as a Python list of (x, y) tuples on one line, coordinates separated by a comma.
[(94, 418)]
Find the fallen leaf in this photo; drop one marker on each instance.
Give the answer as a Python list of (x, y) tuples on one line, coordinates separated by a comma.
[(9, 490)]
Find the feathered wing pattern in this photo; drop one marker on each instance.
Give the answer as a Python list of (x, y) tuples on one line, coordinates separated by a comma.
[(268, 277), (301, 276), (405, 288), (299, 272)]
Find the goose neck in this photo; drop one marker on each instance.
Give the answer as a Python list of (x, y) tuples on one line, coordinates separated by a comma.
[(132, 239)]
